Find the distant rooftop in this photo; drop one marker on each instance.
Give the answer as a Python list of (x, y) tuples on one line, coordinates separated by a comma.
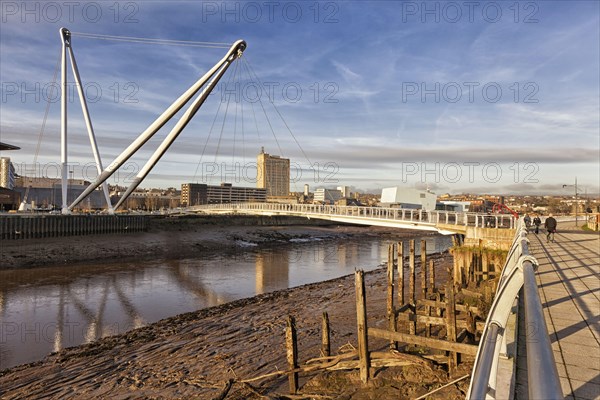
[(4, 146)]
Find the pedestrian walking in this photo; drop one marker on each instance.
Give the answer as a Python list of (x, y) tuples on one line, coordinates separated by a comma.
[(527, 220), (537, 222), (550, 225)]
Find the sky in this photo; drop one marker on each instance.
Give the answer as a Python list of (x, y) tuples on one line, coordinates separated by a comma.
[(497, 97)]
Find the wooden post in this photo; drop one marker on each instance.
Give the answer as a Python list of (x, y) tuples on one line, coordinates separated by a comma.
[(453, 359), (438, 298), (431, 288), (471, 326), (431, 292), (401, 273), (391, 311), (411, 285), (487, 294), (292, 352), (361, 321), (423, 269), (325, 346)]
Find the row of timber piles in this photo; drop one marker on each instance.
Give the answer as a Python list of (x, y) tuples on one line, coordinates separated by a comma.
[(475, 264), (423, 322), (13, 227)]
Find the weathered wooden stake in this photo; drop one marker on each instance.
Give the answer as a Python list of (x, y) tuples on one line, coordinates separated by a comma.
[(431, 288), (391, 311), (438, 298), (423, 269), (292, 352), (471, 325), (411, 285), (453, 359), (431, 292), (361, 320), (325, 344), (401, 273), (487, 294)]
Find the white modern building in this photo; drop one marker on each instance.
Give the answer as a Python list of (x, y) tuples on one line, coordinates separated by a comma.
[(345, 190), (327, 195), (408, 198), (7, 173)]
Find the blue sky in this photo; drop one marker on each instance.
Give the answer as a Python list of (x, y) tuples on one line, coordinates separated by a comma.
[(489, 97)]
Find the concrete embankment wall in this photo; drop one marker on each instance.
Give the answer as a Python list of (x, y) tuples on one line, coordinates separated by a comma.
[(17, 227)]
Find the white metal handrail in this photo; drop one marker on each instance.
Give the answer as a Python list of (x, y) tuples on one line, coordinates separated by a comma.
[(518, 272), (381, 213)]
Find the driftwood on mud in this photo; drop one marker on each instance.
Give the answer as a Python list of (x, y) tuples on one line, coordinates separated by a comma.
[(442, 387), (225, 390), (313, 366), (348, 361)]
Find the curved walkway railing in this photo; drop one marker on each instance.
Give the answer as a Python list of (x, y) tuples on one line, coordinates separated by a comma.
[(433, 218), (543, 381)]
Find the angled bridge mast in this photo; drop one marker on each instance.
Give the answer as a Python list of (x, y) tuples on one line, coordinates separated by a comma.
[(211, 77)]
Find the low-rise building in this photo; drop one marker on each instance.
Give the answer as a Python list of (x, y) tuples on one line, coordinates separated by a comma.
[(329, 196), (450, 205), (193, 194), (408, 198)]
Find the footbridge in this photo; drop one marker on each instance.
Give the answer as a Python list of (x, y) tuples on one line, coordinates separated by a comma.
[(542, 335), (444, 222)]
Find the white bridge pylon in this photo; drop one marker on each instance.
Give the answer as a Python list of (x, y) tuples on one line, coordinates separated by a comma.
[(212, 77), (66, 48)]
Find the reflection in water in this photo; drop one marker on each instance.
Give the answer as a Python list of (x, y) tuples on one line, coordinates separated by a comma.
[(188, 279), (46, 309), (272, 271)]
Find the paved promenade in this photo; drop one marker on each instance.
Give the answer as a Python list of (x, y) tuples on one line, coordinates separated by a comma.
[(569, 283)]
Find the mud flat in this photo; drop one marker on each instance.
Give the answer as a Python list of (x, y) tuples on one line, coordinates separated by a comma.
[(178, 238), (192, 355)]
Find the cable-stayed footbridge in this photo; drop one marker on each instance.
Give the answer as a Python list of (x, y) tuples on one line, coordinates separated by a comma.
[(445, 222)]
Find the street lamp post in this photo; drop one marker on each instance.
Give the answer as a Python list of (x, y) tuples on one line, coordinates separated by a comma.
[(576, 202)]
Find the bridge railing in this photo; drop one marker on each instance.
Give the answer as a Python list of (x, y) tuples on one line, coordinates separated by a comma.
[(542, 374), (397, 214)]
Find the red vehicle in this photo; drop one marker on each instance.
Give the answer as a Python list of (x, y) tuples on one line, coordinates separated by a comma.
[(499, 208)]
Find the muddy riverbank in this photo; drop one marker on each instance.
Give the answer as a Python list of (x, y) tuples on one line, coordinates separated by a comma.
[(177, 238), (192, 355)]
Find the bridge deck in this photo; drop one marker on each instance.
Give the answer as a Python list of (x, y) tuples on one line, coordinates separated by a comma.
[(569, 284)]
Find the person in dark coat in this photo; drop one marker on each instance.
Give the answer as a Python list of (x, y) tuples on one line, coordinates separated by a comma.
[(527, 221), (537, 222), (550, 225)]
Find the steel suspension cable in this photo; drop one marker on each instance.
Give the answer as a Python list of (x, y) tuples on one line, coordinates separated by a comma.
[(46, 112), (225, 114), (169, 42), (252, 106), (242, 111), (266, 116), (279, 113), (208, 139), (236, 81)]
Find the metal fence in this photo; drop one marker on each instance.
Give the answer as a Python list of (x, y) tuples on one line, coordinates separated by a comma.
[(499, 338), (13, 227), (422, 217)]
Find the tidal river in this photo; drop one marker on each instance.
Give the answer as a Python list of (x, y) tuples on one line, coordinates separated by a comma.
[(43, 310)]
